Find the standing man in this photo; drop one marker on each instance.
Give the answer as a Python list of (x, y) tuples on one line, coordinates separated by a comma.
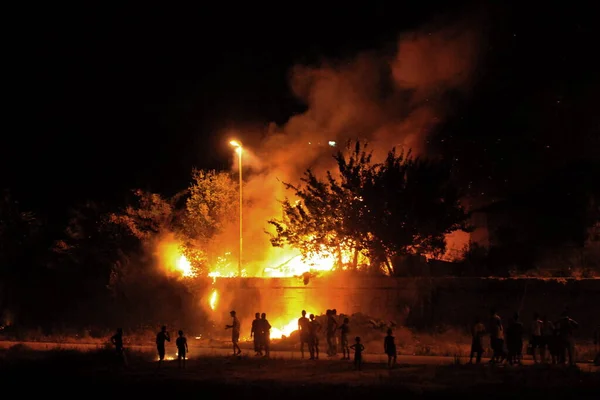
[(255, 334), (117, 341), (548, 339), (304, 329), (566, 325), (235, 333), (182, 349), (597, 345), (514, 340), (535, 340), (477, 333), (496, 337), (265, 328), (315, 328), (344, 331), (162, 337), (331, 328)]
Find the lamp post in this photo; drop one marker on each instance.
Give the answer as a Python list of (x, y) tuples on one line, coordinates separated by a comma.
[(238, 150)]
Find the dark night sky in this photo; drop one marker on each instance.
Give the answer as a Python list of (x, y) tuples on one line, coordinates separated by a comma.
[(104, 100)]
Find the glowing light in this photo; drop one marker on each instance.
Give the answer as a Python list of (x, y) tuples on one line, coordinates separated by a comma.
[(296, 266), (235, 143), (168, 358), (285, 329), (332, 143), (292, 264), (170, 257), (214, 297), (184, 266)]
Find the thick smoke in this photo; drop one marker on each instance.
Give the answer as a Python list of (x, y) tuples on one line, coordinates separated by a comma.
[(391, 101)]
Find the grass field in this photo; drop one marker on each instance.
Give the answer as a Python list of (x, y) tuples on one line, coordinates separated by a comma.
[(71, 373), (450, 342)]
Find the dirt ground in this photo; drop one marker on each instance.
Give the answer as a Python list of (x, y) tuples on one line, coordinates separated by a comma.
[(73, 373), (223, 349)]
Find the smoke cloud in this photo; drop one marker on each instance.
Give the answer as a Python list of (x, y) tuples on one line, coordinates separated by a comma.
[(391, 101)]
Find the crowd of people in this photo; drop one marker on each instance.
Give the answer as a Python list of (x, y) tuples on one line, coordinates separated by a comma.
[(309, 329), (161, 338), (549, 341)]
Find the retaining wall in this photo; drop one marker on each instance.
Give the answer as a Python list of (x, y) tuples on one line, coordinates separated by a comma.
[(420, 302)]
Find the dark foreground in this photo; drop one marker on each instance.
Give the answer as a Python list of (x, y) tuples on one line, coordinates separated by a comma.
[(68, 373)]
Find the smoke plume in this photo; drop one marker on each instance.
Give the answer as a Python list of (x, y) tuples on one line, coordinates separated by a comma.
[(390, 101)]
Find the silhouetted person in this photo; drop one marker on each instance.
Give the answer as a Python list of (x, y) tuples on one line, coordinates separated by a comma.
[(514, 340), (265, 328), (496, 331), (235, 333), (162, 337), (304, 330), (315, 328), (597, 345), (331, 328), (536, 341), (549, 339), (358, 349), (335, 337), (344, 331), (117, 341), (182, 349), (597, 339), (477, 332), (566, 326), (389, 347), (255, 334)]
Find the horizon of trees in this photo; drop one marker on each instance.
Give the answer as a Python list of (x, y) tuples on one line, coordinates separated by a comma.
[(100, 271)]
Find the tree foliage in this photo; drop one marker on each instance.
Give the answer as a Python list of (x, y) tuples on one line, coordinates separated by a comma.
[(212, 204), (195, 217), (211, 207), (18, 230), (22, 255), (404, 205), (151, 215)]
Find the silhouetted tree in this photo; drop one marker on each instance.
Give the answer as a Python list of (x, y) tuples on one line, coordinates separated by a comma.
[(151, 215), (85, 257), (20, 243), (413, 205), (402, 206), (196, 216), (323, 222)]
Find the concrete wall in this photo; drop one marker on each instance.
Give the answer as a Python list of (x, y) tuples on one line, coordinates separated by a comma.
[(420, 302)]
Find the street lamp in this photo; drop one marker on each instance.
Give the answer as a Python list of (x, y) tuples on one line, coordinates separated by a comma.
[(238, 150)]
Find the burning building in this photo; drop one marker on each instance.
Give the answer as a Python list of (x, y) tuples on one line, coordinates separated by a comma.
[(390, 100)]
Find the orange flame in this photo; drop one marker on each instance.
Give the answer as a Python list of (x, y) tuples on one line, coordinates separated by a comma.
[(214, 297), (171, 260), (285, 329)]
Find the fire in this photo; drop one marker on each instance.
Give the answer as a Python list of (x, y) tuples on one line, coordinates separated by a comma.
[(214, 297), (169, 358), (184, 266), (172, 260), (296, 266), (291, 263), (225, 267), (285, 329)]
